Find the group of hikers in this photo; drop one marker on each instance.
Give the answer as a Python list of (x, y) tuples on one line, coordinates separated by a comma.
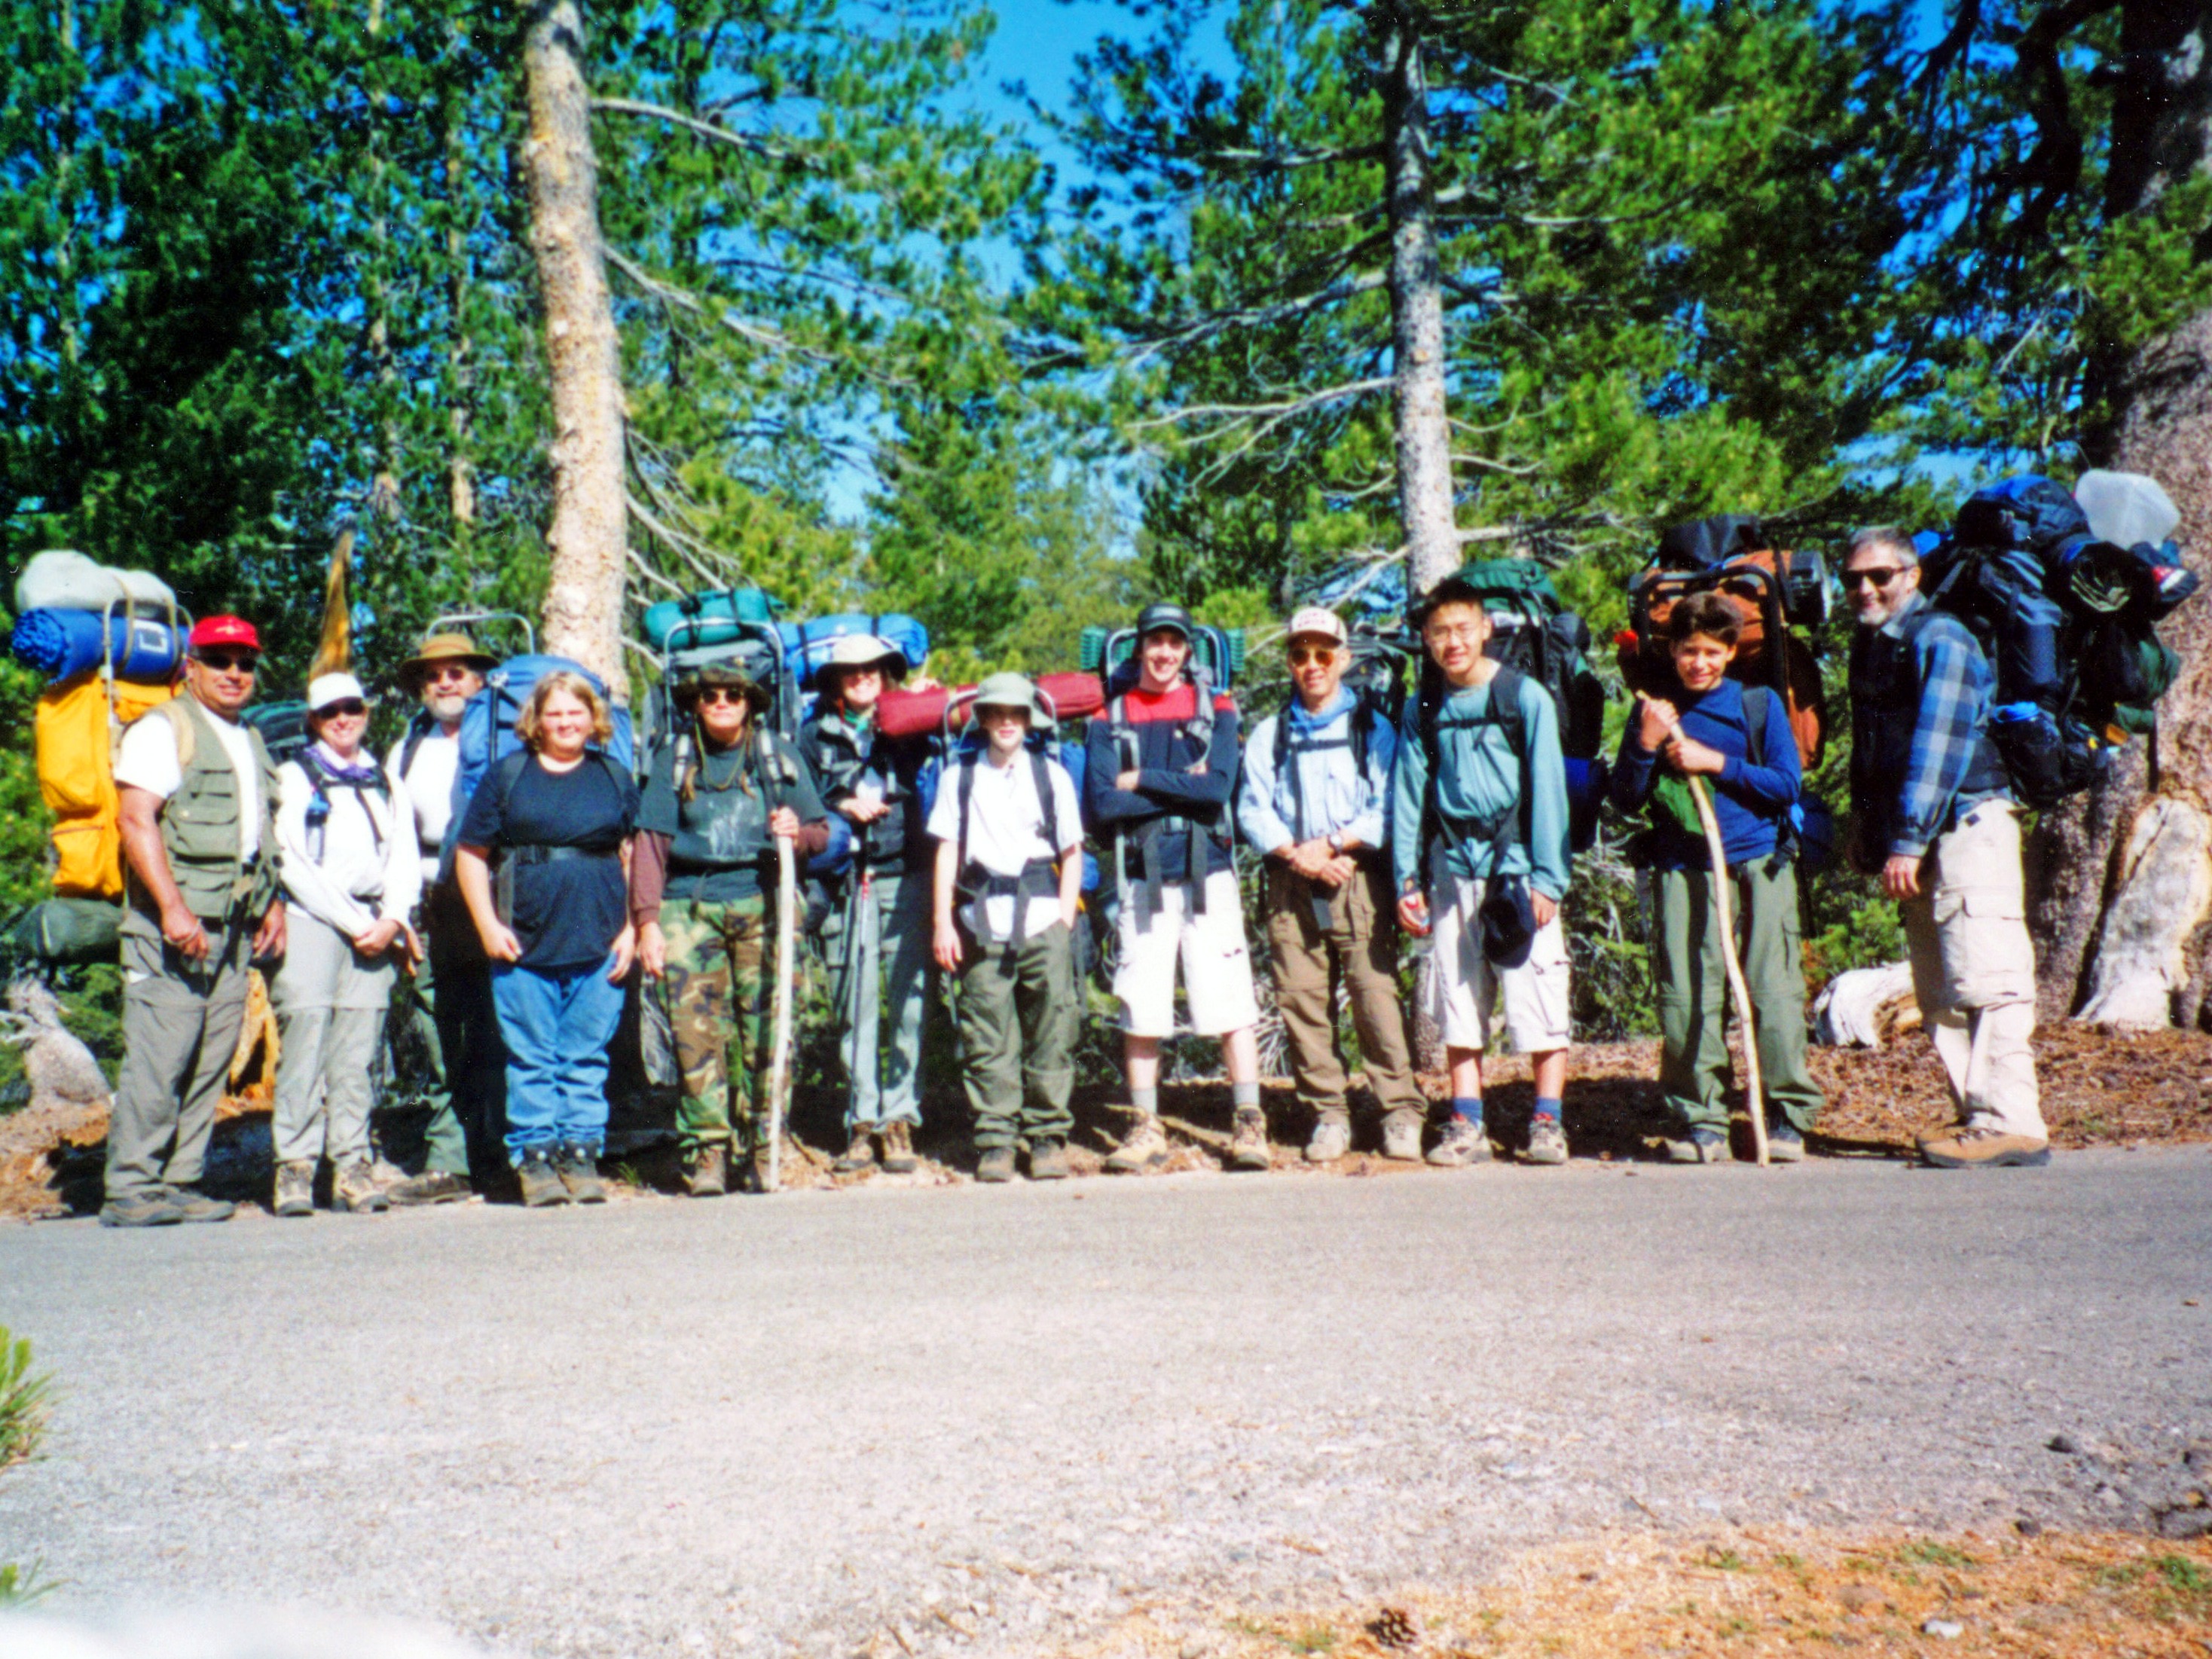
[(506, 937)]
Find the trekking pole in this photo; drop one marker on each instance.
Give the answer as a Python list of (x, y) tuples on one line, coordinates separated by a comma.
[(1724, 919), (778, 1074)]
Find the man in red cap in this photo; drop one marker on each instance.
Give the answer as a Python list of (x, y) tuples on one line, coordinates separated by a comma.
[(199, 798)]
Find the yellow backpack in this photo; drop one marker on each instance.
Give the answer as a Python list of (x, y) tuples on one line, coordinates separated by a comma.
[(77, 726)]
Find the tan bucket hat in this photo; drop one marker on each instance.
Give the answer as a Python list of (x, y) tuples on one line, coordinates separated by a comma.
[(444, 647)]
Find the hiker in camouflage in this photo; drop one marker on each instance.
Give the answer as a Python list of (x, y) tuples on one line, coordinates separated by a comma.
[(720, 796)]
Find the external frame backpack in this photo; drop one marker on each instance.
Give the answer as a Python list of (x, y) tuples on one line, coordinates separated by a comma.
[(2070, 626)]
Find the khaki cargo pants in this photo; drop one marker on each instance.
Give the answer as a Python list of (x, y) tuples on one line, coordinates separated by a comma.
[(180, 1025), (1358, 945), (1973, 970)]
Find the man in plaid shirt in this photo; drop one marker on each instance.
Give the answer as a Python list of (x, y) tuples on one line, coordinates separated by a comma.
[(1933, 812)]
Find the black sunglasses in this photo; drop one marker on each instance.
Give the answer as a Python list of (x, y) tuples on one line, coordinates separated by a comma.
[(1881, 578), (226, 662), (342, 705)]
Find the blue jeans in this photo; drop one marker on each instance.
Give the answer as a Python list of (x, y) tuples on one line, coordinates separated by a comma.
[(557, 1027)]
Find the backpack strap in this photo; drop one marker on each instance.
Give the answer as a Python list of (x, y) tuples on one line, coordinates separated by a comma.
[(1504, 711), (1757, 701)]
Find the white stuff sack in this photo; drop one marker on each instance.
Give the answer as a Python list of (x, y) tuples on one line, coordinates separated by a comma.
[(65, 581), (1847, 1012), (2126, 507)]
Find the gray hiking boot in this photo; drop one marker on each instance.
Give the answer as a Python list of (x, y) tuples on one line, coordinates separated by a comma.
[(1547, 1140), (1332, 1138), (295, 1189), (1401, 1136), (153, 1208), (540, 1181), (859, 1152), (996, 1165), (1784, 1145), (898, 1148), (1047, 1160), (354, 1189), (1700, 1146), (1248, 1140), (431, 1187), (1143, 1150), (579, 1169), (198, 1207), (1461, 1142), (707, 1174)]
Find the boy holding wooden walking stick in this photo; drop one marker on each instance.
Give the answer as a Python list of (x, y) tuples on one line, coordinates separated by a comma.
[(1736, 740)]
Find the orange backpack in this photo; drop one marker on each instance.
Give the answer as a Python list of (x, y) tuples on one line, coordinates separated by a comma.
[(77, 726)]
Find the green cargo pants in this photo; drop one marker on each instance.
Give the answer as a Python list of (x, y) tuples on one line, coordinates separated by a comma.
[(717, 1013), (1695, 1064), (1017, 1029), (180, 1025)]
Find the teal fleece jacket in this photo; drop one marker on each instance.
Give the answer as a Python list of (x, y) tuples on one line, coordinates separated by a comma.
[(1479, 776)]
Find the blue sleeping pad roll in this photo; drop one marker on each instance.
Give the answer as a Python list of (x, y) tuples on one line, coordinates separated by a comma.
[(60, 643)]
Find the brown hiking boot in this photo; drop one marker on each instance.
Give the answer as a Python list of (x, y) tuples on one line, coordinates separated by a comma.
[(707, 1175), (295, 1189), (354, 1189), (757, 1180), (1144, 1148), (860, 1154), (1047, 1160), (898, 1148), (996, 1165), (579, 1173), (1401, 1135), (1248, 1140), (1976, 1148), (431, 1187), (540, 1183)]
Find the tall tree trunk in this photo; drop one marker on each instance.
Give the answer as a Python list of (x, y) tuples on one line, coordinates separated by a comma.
[(584, 599), (460, 465), (1417, 305), (2122, 879)]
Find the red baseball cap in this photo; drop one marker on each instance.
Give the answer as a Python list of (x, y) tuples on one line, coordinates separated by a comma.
[(223, 630)]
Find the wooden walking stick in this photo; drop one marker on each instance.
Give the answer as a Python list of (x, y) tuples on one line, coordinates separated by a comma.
[(1724, 919), (779, 1073)]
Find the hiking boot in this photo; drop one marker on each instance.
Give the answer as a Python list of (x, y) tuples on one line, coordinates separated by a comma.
[(1332, 1138), (757, 1171), (387, 1175), (354, 1189), (1700, 1146), (1047, 1160), (706, 1172), (1978, 1148), (540, 1183), (996, 1165), (1401, 1136), (1784, 1143), (197, 1206), (1248, 1140), (156, 1207), (579, 1169), (1547, 1140), (898, 1148), (861, 1152), (295, 1189), (431, 1187), (1144, 1148), (1461, 1142)]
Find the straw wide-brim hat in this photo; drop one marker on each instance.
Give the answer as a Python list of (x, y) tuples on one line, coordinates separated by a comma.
[(444, 647)]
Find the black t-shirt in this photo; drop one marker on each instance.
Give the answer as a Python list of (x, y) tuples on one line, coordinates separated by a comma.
[(566, 912)]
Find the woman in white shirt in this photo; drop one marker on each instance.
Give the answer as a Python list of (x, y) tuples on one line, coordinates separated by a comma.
[(352, 871)]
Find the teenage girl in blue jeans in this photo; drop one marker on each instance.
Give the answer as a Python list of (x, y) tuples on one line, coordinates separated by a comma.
[(561, 813)]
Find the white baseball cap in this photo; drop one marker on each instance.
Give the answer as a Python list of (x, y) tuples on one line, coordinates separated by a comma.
[(328, 688), (1319, 619)]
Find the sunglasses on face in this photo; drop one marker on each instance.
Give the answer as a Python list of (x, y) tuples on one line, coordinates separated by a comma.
[(229, 662), (720, 694), (452, 671), (344, 705), (1881, 577), (1303, 654)]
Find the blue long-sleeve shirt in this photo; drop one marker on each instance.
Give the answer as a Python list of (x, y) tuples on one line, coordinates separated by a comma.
[(1167, 785), (1752, 795), (1321, 790), (1478, 776), (1956, 689)]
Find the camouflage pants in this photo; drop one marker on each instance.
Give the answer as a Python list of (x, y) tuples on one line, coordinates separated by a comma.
[(717, 969)]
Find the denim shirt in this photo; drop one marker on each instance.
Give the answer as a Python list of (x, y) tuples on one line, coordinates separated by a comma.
[(1320, 790)]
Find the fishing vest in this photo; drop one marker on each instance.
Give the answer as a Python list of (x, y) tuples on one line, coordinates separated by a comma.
[(1885, 710), (200, 830)]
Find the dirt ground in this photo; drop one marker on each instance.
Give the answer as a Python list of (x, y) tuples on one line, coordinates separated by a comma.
[(1751, 1592), (2101, 1087)]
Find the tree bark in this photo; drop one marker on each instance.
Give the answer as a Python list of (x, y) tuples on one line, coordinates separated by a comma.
[(2121, 879), (1417, 307), (583, 598)]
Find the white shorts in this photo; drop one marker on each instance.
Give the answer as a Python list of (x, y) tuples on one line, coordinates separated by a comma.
[(1464, 991), (1217, 968)]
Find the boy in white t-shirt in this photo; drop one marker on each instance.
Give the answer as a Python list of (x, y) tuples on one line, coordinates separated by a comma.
[(1009, 831)]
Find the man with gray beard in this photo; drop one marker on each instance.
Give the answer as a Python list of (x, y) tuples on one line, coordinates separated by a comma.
[(447, 1003)]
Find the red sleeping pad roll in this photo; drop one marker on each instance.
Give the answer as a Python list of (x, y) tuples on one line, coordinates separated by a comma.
[(903, 714)]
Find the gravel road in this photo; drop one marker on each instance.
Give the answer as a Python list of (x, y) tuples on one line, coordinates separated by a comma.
[(991, 1420)]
